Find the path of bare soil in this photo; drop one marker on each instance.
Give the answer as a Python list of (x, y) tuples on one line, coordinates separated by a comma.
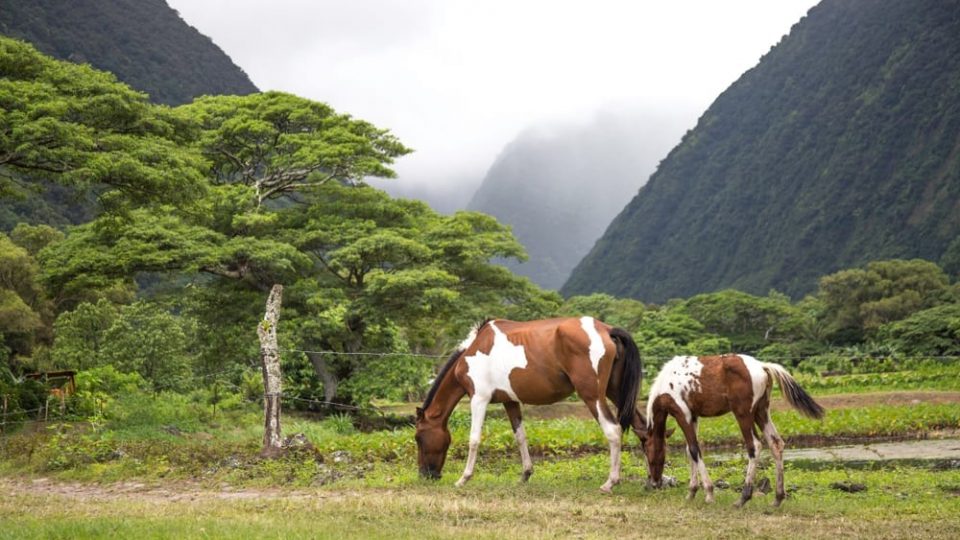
[(167, 492)]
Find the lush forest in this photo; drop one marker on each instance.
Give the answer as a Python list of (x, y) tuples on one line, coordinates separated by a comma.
[(203, 207), (840, 147)]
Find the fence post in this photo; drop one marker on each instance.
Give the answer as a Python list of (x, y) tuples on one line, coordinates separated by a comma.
[(270, 364)]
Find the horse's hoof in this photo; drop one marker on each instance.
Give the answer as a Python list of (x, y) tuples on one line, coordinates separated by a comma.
[(461, 482), (525, 476), (608, 489)]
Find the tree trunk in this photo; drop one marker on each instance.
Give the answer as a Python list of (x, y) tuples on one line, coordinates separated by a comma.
[(270, 363), (327, 376)]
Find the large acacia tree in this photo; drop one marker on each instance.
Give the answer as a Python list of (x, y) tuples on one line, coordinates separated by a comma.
[(285, 204)]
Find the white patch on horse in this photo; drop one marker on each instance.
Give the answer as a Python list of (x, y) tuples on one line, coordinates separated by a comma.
[(491, 372), (758, 377), (677, 378), (597, 350)]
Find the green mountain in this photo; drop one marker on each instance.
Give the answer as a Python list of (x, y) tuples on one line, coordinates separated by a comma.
[(840, 147), (144, 43), (559, 186)]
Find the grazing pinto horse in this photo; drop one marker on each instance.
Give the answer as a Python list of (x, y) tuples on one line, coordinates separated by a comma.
[(689, 387), (536, 362)]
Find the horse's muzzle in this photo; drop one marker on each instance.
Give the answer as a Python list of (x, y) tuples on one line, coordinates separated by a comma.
[(429, 473)]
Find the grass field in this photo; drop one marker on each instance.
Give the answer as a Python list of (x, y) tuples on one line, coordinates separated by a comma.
[(159, 472), (561, 500)]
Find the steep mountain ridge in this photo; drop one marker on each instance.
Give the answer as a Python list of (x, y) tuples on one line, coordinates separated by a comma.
[(144, 43), (841, 146)]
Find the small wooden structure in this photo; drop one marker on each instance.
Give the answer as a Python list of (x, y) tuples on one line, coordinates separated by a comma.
[(60, 383)]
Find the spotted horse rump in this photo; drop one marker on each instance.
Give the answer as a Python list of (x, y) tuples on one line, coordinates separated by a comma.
[(533, 362)]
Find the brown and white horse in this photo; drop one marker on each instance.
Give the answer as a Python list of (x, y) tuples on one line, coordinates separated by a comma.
[(535, 362), (690, 387)]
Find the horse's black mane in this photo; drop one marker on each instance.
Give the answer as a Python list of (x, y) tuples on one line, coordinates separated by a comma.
[(440, 376), (446, 367)]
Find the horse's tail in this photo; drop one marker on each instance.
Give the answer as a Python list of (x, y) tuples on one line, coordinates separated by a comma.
[(796, 396), (630, 378)]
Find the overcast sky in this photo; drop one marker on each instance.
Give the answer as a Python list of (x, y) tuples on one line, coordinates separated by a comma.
[(458, 80)]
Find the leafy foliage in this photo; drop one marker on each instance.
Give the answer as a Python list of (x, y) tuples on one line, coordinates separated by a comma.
[(858, 301), (78, 126), (278, 143), (934, 331)]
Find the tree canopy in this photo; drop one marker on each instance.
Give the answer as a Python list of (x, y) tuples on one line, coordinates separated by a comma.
[(72, 124)]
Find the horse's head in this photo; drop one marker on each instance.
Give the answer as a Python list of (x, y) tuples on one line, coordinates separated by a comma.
[(655, 448), (433, 440), (654, 443)]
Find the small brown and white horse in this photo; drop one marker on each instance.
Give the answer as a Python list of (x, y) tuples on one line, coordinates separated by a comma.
[(690, 387), (535, 362)]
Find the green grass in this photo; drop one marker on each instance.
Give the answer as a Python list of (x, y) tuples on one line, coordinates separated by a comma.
[(353, 484), (77, 451), (561, 499), (932, 376)]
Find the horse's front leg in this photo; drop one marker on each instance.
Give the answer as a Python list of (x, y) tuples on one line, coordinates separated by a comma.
[(478, 410), (752, 446), (698, 469), (516, 422)]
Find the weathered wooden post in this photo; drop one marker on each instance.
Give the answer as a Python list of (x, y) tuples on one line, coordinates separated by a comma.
[(270, 363)]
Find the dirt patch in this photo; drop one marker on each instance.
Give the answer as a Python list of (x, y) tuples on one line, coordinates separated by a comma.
[(178, 491), (934, 449)]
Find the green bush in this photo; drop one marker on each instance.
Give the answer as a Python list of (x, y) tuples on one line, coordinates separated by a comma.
[(394, 377)]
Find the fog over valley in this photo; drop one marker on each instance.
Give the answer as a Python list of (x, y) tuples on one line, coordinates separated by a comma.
[(457, 81)]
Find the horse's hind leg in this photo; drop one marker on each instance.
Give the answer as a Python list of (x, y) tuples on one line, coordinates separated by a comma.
[(775, 442), (516, 422), (753, 449), (478, 410), (611, 429)]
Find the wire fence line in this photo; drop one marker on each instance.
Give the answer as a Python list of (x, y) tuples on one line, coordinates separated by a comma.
[(664, 358), (377, 354)]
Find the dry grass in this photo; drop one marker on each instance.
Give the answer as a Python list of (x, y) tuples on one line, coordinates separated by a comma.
[(490, 507)]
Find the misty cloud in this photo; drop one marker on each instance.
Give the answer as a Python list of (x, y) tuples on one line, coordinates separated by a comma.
[(457, 80)]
